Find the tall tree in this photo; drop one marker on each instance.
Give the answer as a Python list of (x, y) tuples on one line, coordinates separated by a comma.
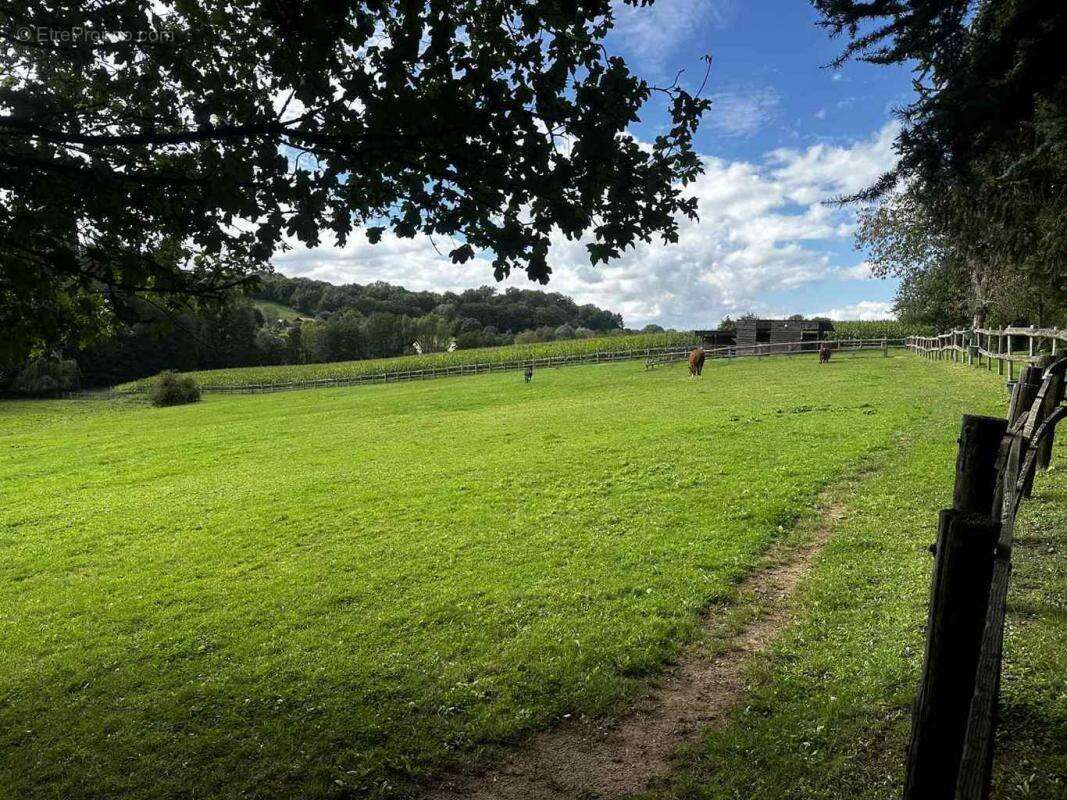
[(983, 146), (169, 149)]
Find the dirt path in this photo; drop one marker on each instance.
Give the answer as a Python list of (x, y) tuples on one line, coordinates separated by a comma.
[(577, 760)]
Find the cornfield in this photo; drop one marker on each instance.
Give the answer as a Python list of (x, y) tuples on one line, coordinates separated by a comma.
[(878, 329)]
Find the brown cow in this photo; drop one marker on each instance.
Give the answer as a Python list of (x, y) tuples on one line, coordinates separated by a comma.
[(824, 354), (696, 362)]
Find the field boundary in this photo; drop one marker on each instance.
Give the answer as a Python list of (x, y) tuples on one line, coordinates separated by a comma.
[(955, 713), (653, 356), (971, 345)]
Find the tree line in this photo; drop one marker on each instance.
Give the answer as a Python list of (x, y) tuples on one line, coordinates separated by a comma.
[(479, 316), (973, 216), (173, 170), (331, 323)]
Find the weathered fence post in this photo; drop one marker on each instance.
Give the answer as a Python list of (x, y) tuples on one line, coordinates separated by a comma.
[(1045, 399), (976, 463), (1044, 448), (959, 596), (1026, 389)]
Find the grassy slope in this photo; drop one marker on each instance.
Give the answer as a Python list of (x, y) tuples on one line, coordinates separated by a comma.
[(828, 712), (274, 311), (324, 592)]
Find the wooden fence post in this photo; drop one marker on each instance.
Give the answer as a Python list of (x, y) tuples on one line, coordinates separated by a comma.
[(959, 596), (1046, 398), (976, 762), (1026, 390), (1044, 448), (976, 464)]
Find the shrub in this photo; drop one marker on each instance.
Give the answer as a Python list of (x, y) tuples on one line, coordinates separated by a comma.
[(172, 389)]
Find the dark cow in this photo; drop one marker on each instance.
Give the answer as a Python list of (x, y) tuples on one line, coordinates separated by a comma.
[(824, 354), (696, 362)]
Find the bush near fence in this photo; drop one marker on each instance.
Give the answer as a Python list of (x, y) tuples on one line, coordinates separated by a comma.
[(172, 389)]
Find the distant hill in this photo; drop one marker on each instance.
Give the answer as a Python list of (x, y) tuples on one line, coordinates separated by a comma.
[(303, 321), (483, 311)]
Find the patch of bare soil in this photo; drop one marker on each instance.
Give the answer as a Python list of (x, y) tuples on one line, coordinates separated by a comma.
[(584, 759)]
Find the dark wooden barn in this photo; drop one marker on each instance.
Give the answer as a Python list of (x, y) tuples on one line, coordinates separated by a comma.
[(709, 339), (779, 331)]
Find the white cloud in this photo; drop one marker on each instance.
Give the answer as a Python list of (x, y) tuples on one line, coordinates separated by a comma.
[(742, 112), (762, 230), (860, 272), (807, 174), (864, 309), (820, 114), (411, 263), (652, 32)]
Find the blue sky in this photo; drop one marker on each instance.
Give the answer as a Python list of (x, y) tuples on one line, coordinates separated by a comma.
[(784, 134)]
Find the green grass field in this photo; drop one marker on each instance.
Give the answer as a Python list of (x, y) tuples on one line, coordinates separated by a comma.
[(827, 714), (332, 593)]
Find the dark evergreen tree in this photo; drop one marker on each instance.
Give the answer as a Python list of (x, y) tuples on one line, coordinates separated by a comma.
[(983, 147)]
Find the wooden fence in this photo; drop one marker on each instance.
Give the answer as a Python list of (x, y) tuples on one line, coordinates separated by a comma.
[(651, 355), (953, 727), (1007, 347)]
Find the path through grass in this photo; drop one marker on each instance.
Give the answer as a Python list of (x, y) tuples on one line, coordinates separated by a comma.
[(828, 711)]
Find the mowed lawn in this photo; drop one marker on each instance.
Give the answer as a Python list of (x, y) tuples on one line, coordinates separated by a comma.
[(330, 593)]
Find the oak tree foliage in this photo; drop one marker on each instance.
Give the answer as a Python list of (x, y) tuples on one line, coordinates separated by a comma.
[(168, 150)]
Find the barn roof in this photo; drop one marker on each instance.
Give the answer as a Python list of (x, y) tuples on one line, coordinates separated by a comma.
[(799, 324)]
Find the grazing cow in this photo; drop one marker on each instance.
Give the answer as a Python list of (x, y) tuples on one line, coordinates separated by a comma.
[(696, 362), (824, 354)]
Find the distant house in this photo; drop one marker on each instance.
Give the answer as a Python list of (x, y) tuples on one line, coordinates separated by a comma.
[(778, 331)]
